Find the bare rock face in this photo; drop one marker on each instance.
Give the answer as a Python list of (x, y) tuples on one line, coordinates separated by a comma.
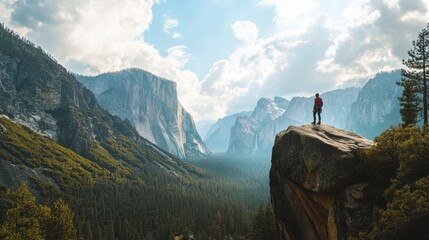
[(315, 190), (377, 105), (151, 105)]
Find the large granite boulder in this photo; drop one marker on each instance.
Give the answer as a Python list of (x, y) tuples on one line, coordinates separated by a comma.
[(315, 189)]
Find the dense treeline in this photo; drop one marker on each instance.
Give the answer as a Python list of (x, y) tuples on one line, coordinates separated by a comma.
[(127, 199), (222, 205), (14, 42), (398, 166), (24, 219)]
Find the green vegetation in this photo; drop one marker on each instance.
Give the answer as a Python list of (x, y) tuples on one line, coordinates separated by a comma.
[(20, 145), (410, 103), (27, 220), (218, 204), (398, 164), (264, 224), (33, 79), (415, 80)]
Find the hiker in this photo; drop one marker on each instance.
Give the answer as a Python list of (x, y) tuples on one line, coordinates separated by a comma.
[(317, 108)]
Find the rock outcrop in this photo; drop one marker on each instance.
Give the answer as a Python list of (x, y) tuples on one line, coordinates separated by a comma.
[(316, 192), (273, 116), (150, 104)]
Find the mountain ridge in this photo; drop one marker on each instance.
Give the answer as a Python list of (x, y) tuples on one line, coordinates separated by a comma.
[(39, 93), (367, 111)]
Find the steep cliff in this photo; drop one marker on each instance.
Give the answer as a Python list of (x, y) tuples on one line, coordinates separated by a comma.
[(150, 104), (377, 106), (315, 190), (254, 134), (244, 138), (219, 133), (37, 92)]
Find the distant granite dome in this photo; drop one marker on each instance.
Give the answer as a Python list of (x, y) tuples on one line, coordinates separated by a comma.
[(243, 139), (315, 189), (150, 104), (219, 133), (253, 134), (267, 110)]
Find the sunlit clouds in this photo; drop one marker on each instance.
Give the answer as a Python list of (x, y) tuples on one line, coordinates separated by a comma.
[(311, 45)]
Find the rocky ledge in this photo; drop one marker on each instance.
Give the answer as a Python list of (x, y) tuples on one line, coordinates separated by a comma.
[(316, 192)]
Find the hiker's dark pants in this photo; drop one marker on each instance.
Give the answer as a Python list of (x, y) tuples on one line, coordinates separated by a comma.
[(317, 110)]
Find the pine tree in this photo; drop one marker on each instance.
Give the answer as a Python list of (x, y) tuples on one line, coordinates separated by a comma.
[(260, 225), (410, 103), (22, 221), (60, 225), (271, 222), (417, 68)]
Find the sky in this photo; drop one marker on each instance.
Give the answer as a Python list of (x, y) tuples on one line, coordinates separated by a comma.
[(226, 54)]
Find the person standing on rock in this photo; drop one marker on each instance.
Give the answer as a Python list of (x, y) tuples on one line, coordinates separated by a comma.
[(317, 108)]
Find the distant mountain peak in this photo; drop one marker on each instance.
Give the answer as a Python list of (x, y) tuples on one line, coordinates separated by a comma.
[(267, 110)]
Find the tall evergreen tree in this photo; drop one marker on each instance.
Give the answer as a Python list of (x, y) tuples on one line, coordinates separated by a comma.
[(31, 221), (22, 221), (410, 103), (260, 226), (273, 233), (60, 225), (417, 68)]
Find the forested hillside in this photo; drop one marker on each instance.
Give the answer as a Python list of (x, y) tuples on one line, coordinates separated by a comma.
[(58, 141), (398, 167), (39, 93)]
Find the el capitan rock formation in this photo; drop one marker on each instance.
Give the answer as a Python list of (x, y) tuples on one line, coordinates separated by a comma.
[(151, 105), (315, 190)]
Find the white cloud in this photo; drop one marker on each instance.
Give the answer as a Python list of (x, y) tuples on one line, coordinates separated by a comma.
[(318, 46), (169, 24), (326, 51), (5, 10), (91, 37), (392, 4), (290, 11), (245, 31)]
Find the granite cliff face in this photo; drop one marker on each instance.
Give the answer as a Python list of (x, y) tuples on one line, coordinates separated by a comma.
[(37, 92), (150, 104), (315, 190), (219, 133), (253, 134), (244, 139), (377, 106)]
